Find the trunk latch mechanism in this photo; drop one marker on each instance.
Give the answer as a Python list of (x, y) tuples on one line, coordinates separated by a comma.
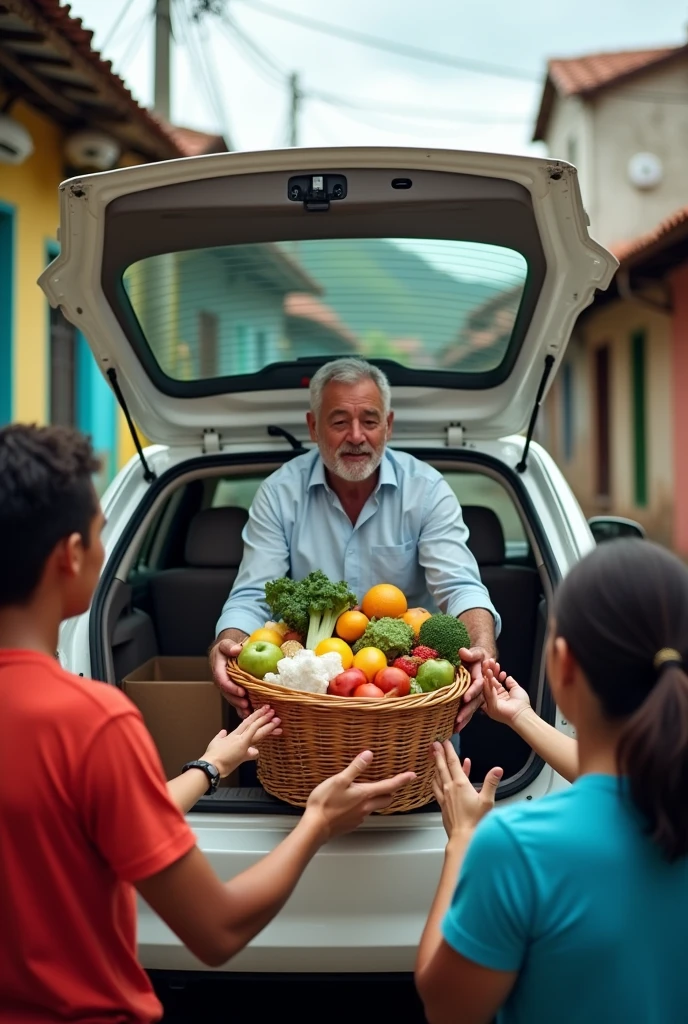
[(316, 191)]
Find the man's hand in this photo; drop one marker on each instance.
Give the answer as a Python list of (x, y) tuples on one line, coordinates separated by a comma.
[(462, 808), (225, 647), (340, 803), (228, 750), (505, 700), (474, 696)]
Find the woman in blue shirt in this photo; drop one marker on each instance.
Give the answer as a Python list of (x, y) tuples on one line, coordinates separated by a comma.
[(575, 907)]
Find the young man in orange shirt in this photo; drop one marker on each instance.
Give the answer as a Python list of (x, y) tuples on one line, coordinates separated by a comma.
[(87, 817)]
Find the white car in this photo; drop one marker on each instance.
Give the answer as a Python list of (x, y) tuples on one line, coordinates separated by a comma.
[(209, 290)]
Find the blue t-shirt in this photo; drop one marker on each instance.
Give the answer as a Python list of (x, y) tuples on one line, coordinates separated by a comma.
[(569, 892)]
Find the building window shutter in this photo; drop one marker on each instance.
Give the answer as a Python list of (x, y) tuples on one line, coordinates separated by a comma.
[(639, 418)]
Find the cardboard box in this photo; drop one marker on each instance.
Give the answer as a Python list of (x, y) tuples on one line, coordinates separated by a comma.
[(182, 708)]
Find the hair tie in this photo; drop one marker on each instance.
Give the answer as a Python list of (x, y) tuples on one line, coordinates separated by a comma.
[(667, 656)]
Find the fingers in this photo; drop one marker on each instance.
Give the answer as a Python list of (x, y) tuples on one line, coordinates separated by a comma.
[(509, 681), (489, 788), (467, 767), (471, 654), (229, 648), (467, 711), (387, 787), (357, 766), (453, 762), (438, 791), (442, 771), (270, 729), (473, 691)]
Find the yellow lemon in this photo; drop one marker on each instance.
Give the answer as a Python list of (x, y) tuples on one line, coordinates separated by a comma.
[(333, 643), (268, 636)]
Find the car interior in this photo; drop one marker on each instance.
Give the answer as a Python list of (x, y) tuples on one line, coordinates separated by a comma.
[(185, 561)]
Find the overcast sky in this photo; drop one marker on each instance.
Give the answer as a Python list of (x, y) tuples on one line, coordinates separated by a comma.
[(219, 84)]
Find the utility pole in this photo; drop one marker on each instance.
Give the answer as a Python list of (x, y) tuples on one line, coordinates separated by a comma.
[(163, 35), (294, 110)]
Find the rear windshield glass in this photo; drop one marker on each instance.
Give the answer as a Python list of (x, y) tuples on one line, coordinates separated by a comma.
[(432, 304)]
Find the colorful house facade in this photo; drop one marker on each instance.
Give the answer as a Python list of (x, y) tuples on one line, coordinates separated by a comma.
[(64, 97), (616, 419)]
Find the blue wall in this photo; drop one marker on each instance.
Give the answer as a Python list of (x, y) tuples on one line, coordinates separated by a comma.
[(6, 310), (96, 406)]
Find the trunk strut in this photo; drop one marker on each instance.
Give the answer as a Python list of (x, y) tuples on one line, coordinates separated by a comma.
[(148, 474), (281, 432), (549, 363)]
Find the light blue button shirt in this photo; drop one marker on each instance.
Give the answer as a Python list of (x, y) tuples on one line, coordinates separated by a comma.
[(410, 533)]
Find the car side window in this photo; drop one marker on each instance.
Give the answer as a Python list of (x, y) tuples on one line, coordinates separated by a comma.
[(235, 491), (480, 489)]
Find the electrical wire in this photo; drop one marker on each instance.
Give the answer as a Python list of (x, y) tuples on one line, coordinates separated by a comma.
[(198, 55), (390, 46), (137, 35), (427, 113), (277, 74), (116, 25)]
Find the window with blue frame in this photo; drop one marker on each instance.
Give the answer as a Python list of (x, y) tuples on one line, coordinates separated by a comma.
[(6, 309), (79, 394)]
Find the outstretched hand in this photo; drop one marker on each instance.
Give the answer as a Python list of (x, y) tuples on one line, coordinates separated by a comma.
[(228, 750), (473, 658), (462, 807), (340, 803), (505, 700)]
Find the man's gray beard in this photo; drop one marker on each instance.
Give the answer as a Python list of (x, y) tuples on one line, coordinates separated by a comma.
[(358, 471)]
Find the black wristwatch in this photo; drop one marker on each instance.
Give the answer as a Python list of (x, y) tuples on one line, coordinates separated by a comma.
[(211, 772)]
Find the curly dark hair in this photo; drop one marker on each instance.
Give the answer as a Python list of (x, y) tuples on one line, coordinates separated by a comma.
[(46, 494)]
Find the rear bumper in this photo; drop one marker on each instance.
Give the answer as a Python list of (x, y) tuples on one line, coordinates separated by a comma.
[(359, 908)]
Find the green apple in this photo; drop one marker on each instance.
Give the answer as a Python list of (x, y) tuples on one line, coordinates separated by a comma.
[(434, 674), (259, 657)]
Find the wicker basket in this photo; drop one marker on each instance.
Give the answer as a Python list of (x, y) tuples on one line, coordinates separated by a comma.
[(322, 734)]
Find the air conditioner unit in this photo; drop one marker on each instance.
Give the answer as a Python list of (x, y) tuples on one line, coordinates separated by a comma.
[(91, 151), (16, 144)]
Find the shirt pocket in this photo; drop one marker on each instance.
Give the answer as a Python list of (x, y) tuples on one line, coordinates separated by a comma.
[(397, 564)]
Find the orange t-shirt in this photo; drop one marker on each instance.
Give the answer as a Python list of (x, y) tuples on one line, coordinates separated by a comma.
[(84, 812)]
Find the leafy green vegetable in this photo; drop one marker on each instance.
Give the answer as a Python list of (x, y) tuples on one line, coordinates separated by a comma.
[(392, 636), (310, 606), (446, 635)]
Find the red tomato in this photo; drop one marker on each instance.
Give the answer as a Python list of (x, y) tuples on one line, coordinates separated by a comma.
[(393, 679), (345, 683), (368, 690)]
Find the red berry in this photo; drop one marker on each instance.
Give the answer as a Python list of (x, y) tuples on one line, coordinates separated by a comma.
[(408, 665), (424, 653)]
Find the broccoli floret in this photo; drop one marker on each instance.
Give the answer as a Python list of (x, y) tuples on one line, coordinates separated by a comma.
[(446, 635), (392, 636), (310, 606)]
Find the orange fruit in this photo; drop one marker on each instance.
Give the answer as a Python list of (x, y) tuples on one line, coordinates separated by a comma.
[(384, 600), (352, 625), (370, 660), (333, 643), (268, 636), (415, 617)]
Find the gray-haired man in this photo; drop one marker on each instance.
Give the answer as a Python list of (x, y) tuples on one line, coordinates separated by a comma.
[(362, 512)]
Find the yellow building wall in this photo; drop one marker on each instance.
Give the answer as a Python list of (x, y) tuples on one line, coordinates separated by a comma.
[(32, 189)]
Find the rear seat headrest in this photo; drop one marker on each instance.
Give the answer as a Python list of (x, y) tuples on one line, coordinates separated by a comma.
[(486, 539), (214, 538)]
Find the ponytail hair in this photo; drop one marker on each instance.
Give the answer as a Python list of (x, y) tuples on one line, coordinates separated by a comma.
[(623, 611)]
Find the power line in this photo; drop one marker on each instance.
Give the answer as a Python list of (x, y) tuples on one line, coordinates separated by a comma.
[(277, 74), (199, 58), (116, 25), (266, 62), (389, 46), (428, 113), (137, 35)]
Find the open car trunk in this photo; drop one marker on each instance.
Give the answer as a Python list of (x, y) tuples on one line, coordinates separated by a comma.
[(161, 594)]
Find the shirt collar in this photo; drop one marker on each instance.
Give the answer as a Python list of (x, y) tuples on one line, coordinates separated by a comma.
[(388, 473)]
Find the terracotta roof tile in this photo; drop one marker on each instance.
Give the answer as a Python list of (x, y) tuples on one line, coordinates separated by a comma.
[(194, 143), (71, 29), (626, 251), (583, 76)]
